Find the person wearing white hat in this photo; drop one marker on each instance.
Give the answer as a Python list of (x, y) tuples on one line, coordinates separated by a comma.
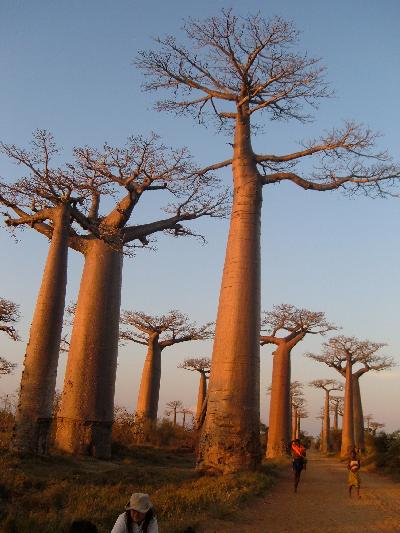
[(138, 517)]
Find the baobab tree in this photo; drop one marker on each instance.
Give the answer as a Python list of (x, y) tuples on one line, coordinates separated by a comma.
[(343, 353), (368, 418), (47, 199), (375, 426), (321, 417), (285, 326), (158, 333), (337, 403), (301, 413), (142, 166), (234, 68), (297, 402), (296, 393), (173, 408), (185, 412), (201, 365), (298, 405), (9, 316), (370, 360), (327, 385)]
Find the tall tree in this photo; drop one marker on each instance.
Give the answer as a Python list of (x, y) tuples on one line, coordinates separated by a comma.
[(296, 394), (173, 408), (375, 426), (234, 68), (368, 418), (336, 409), (301, 414), (370, 360), (343, 354), (201, 365), (9, 316), (141, 167), (321, 417), (47, 199), (297, 406), (285, 326), (185, 412), (327, 385), (158, 333)]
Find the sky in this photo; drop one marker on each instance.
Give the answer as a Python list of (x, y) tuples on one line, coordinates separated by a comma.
[(67, 66)]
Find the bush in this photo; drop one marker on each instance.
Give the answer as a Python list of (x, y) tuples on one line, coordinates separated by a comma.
[(47, 494), (385, 448), (130, 429), (7, 419)]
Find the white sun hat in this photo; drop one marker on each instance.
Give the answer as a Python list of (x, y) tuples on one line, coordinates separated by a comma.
[(139, 502)]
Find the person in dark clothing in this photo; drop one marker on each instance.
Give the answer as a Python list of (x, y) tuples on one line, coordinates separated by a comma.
[(299, 460)]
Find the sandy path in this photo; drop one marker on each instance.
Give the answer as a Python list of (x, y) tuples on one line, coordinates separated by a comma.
[(321, 505)]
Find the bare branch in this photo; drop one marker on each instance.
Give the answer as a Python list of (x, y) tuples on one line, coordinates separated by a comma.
[(294, 322), (198, 364), (340, 351), (172, 328), (244, 61)]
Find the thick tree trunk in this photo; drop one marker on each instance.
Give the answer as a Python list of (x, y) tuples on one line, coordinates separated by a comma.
[(298, 427), (86, 415), (321, 434), (359, 438), (147, 404), (230, 438), (336, 418), (326, 428), (348, 421), (294, 421), (201, 395), (279, 414), (174, 417), (38, 381)]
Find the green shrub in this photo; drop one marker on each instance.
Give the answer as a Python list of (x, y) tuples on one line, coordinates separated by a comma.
[(385, 449)]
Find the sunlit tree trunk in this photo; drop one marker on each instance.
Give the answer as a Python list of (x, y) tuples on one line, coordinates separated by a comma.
[(201, 395), (279, 414), (41, 358), (86, 414), (359, 438), (348, 419), (336, 418), (230, 438), (147, 404), (321, 433), (294, 421), (326, 426)]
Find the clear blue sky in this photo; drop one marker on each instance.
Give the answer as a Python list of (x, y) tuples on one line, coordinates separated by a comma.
[(67, 66)]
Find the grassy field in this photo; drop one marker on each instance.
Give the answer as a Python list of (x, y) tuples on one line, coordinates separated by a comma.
[(45, 494)]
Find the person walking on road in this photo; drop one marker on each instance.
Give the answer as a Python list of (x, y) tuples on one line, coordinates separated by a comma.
[(354, 466), (299, 460)]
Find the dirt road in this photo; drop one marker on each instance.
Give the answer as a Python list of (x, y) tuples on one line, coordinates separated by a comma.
[(321, 505)]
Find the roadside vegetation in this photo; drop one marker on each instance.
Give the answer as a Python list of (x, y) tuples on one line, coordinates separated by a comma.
[(46, 493)]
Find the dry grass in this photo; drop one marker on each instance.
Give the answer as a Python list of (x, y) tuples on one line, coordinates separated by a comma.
[(47, 493)]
